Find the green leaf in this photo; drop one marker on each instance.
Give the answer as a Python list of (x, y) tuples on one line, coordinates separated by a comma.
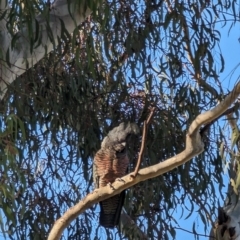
[(234, 137), (8, 58), (234, 186), (237, 183), (222, 63)]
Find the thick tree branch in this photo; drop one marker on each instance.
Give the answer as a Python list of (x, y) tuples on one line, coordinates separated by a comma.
[(194, 146), (21, 57), (210, 115), (227, 112), (227, 226)]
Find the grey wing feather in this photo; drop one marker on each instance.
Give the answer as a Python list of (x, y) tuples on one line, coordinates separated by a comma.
[(120, 134)]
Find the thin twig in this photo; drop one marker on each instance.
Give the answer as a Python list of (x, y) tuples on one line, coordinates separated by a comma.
[(140, 156), (202, 206), (150, 115), (141, 150)]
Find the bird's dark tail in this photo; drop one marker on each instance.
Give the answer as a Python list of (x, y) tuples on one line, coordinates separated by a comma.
[(111, 210)]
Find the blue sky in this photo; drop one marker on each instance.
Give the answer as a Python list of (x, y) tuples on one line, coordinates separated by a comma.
[(230, 46), (231, 49)]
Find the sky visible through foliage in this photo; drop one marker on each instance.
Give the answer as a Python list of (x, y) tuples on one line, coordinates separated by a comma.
[(230, 46)]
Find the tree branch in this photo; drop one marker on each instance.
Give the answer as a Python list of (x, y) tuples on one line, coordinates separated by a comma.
[(21, 58), (227, 112), (210, 115), (227, 226), (140, 156), (194, 146)]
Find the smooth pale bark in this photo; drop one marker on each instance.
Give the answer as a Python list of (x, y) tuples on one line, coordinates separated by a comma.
[(193, 147), (20, 57)]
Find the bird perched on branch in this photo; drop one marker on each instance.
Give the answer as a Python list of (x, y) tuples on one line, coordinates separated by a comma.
[(111, 162)]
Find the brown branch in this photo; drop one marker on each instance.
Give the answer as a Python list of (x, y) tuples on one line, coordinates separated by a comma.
[(193, 147), (140, 156), (150, 115), (144, 137)]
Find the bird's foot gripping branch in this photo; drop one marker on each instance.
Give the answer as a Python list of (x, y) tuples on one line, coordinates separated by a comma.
[(114, 149)]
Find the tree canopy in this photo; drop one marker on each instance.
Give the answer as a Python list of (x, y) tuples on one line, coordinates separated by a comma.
[(66, 83)]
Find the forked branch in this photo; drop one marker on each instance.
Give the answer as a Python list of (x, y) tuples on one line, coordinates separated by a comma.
[(194, 146)]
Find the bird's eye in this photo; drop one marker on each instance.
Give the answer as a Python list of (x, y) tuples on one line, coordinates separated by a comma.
[(121, 151)]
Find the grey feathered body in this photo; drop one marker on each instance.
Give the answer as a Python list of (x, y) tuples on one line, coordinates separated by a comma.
[(111, 162)]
